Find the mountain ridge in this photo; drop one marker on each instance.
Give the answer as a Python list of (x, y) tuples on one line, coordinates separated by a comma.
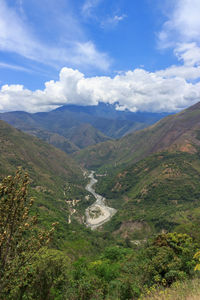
[(176, 132), (103, 122)]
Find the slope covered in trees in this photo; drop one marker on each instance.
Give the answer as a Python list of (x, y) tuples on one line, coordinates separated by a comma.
[(158, 193)]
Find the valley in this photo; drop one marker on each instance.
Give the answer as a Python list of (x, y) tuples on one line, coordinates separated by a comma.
[(99, 150), (127, 210)]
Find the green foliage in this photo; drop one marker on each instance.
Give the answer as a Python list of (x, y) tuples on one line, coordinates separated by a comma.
[(114, 253), (20, 239), (197, 257), (172, 257), (47, 277)]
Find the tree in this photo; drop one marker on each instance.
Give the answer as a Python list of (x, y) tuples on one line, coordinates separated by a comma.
[(20, 238)]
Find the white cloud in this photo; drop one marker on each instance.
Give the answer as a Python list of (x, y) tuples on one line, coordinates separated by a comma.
[(183, 24), (16, 36), (135, 90), (89, 12), (181, 31), (185, 72), (112, 21), (14, 67), (89, 6), (189, 53)]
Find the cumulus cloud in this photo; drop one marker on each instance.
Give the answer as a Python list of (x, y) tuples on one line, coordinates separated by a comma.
[(185, 72), (133, 90), (16, 36)]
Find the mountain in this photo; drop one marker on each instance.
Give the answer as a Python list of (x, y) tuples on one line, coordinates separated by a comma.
[(174, 132), (18, 148), (85, 135), (109, 111), (82, 126), (104, 117), (152, 176), (54, 139), (55, 177)]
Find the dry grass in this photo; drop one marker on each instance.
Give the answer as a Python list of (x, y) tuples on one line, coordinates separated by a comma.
[(189, 290)]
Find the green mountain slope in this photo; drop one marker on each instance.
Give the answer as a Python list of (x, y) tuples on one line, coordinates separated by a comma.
[(85, 135), (27, 124), (42, 160), (54, 175), (176, 132), (54, 139), (158, 193)]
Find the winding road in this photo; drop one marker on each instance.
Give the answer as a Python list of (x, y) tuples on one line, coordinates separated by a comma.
[(98, 213)]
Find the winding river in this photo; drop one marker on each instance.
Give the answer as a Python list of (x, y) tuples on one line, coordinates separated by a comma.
[(98, 213)]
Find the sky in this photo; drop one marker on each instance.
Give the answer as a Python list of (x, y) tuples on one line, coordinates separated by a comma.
[(139, 55)]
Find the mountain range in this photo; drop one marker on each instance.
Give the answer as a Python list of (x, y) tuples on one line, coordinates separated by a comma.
[(72, 127)]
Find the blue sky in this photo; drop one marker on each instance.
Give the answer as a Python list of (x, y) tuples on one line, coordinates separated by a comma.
[(144, 54)]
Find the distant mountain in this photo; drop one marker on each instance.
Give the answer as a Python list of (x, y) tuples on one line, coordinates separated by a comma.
[(82, 126), (175, 132), (84, 135), (112, 122), (109, 111)]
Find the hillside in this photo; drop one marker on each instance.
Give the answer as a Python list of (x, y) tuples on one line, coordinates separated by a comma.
[(54, 175), (85, 135), (158, 193), (175, 132), (54, 139), (18, 148)]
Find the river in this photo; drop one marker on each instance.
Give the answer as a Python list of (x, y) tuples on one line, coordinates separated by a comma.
[(98, 213)]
